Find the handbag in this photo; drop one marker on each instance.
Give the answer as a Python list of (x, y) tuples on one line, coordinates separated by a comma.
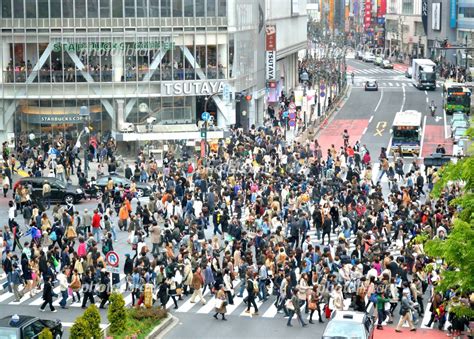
[(312, 305), (289, 305), (179, 291)]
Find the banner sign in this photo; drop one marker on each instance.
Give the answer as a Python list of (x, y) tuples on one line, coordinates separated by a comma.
[(424, 15), (270, 65), (270, 37), (453, 14), (367, 14), (436, 16)]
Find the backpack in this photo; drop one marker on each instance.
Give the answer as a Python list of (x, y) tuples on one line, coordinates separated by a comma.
[(53, 236)]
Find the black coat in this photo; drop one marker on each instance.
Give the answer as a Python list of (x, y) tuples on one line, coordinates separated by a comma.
[(48, 292)]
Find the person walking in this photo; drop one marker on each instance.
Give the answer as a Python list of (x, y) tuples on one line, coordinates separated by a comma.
[(48, 295), (63, 287), (293, 306), (46, 192), (313, 304), (221, 303), (381, 313), (197, 283), (88, 287), (406, 309), (252, 290)]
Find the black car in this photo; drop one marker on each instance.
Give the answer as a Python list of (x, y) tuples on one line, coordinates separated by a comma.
[(28, 327), (371, 85), (143, 189), (60, 191)]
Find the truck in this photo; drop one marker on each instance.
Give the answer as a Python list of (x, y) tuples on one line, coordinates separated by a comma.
[(406, 133), (424, 74)]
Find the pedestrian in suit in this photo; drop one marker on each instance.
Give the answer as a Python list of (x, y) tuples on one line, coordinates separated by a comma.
[(252, 290), (88, 288), (48, 295)]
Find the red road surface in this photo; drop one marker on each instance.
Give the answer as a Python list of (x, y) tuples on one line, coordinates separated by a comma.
[(434, 135), (350, 69), (332, 133), (400, 67), (389, 333)]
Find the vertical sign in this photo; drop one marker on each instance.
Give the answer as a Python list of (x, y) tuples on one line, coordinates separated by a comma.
[(367, 14), (331, 15), (453, 14), (270, 51), (424, 15), (436, 16)]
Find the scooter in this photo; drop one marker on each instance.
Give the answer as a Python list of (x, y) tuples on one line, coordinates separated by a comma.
[(433, 110)]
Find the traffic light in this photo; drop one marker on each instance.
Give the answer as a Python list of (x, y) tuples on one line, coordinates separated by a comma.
[(248, 97), (203, 133)]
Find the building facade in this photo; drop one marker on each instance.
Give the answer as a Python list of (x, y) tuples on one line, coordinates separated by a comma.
[(128, 61)]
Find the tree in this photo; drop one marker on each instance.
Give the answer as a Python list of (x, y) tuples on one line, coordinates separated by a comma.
[(80, 329), (117, 314), (457, 250), (45, 334), (92, 318)]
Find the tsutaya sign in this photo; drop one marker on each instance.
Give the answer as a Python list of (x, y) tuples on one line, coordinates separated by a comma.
[(191, 88)]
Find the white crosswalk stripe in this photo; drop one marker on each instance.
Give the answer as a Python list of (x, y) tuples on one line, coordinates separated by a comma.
[(376, 71)]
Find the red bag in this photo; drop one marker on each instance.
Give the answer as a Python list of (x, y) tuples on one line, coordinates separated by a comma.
[(327, 311)]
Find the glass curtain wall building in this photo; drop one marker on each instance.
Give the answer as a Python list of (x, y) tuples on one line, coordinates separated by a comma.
[(126, 60)]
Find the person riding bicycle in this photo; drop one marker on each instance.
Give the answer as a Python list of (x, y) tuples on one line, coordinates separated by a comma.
[(432, 107)]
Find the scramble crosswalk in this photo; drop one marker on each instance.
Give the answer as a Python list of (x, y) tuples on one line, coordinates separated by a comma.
[(376, 71), (388, 84)]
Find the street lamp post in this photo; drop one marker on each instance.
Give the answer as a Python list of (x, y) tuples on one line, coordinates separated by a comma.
[(204, 130), (85, 114)]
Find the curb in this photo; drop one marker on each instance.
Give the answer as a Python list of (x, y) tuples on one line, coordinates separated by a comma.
[(163, 328)]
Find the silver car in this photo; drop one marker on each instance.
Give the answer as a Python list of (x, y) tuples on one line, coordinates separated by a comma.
[(349, 324)]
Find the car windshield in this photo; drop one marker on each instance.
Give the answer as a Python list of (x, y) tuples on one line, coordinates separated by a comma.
[(427, 76), (60, 184), (342, 329), (405, 135), (8, 333), (460, 131)]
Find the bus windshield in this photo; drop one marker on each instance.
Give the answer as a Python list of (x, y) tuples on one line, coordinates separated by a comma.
[(457, 99), (405, 135)]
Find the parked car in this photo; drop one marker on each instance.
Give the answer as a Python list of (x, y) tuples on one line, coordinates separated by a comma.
[(371, 85), (378, 61), (386, 64), (409, 72), (28, 327), (458, 123), (459, 134), (60, 191), (349, 324), (143, 189), (369, 57)]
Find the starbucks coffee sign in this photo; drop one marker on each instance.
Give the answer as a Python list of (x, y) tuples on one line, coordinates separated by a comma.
[(112, 46), (191, 88)]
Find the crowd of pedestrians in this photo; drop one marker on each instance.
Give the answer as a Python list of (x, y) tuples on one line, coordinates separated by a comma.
[(307, 229)]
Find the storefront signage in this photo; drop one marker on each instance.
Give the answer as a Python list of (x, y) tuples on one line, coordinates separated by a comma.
[(452, 13), (424, 14), (367, 14), (191, 88), (38, 119), (270, 64), (436, 16), (111, 46), (270, 37)]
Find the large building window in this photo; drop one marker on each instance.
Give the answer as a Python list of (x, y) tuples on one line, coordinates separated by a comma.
[(129, 8), (55, 8), (407, 7), (43, 9), (80, 8), (165, 8), (177, 8), (211, 7), (466, 12), (30, 6), (154, 9), (92, 8), (117, 8), (18, 9), (6, 9), (68, 8), (105, 8), (200, 8), (141, 8), (222, 9), (188, 8)]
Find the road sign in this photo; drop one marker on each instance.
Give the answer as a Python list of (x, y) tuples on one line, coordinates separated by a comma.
[(112, 259), (292, 106), (322, 94), (226, 92), (292, 123), (113, 269), (292, 116), (205, 116), (322, 87)]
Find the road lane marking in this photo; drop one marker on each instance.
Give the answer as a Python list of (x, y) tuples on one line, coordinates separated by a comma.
[(426, 94), (423, 137), (445, 124), (380, 128), (378, 104), (390, 84), (365, 130), (427, 99), (403, 101), (370, 120)]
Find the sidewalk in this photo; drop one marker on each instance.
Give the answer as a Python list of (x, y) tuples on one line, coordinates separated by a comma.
[(389, 333)]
